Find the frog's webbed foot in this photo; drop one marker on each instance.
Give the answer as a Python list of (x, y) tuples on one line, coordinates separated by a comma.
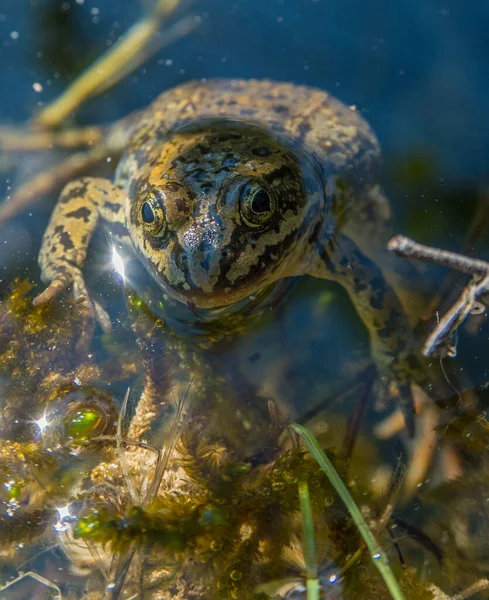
[(65, 244), (62, 277), (80, 294)]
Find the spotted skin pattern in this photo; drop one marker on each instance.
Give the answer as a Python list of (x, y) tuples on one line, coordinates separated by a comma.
[(204, 159)]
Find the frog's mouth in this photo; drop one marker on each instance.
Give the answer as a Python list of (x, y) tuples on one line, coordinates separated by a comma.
[(202, 295), (197, 312), (226, 311)]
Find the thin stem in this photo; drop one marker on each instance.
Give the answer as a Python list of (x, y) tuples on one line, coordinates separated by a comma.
[(166, 452), (312, 587), (128, 476), (308, 534), (378, 556), (13, 140)]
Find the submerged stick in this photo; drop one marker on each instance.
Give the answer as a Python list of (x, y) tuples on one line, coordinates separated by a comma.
[(468, 301), (404, 246), (378, 556)]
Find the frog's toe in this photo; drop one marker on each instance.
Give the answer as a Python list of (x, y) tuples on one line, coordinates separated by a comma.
[(91, 310), (60, 278), (64, 278), (55, 288)]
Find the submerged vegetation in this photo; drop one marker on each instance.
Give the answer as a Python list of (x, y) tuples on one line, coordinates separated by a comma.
[(174, 505)]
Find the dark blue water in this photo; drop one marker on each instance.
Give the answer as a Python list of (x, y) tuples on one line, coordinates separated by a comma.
[(419, 70)]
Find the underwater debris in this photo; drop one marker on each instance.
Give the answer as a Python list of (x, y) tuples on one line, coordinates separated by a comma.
[(43, 580)]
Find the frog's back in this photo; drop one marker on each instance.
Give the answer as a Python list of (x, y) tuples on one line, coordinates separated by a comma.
[(335, 134)]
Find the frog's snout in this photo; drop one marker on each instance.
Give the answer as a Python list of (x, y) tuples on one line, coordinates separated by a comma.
[(200, 259)]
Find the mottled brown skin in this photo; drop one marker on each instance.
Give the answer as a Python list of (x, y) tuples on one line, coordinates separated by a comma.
[(228, 186)]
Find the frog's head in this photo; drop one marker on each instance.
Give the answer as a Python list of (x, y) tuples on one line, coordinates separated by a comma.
[(222, 210)]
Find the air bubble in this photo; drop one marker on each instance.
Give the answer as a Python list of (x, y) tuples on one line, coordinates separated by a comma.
[(216, 546)]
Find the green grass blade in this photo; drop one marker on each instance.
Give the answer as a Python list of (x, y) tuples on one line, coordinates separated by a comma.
[(312, 589), (309, 542), (378, 556)]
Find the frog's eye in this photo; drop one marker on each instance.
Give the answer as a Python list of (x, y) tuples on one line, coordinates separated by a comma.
[(257, 203), (152, 216)]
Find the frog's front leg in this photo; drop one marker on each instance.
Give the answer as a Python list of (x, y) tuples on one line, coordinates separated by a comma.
[(377, 304), (67, 237)]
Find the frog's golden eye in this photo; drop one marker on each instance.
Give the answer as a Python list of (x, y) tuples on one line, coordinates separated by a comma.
[(152, 216), (257, 203)]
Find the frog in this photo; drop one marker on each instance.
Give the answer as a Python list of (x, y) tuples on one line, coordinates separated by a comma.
[(227, 186)]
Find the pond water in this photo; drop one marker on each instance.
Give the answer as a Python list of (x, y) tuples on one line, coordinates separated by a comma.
[(215, 389)]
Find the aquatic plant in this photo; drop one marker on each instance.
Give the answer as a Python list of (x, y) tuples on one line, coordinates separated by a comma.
[(160, 497)]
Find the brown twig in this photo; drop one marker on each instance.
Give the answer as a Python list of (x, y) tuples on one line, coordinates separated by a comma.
[(468, 302), (16, 140), (403, 246)]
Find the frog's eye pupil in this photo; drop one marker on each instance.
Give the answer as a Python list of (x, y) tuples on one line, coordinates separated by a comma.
[(261, 151), (261, 202), (152, 215), (147, 213), (257, 203)]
